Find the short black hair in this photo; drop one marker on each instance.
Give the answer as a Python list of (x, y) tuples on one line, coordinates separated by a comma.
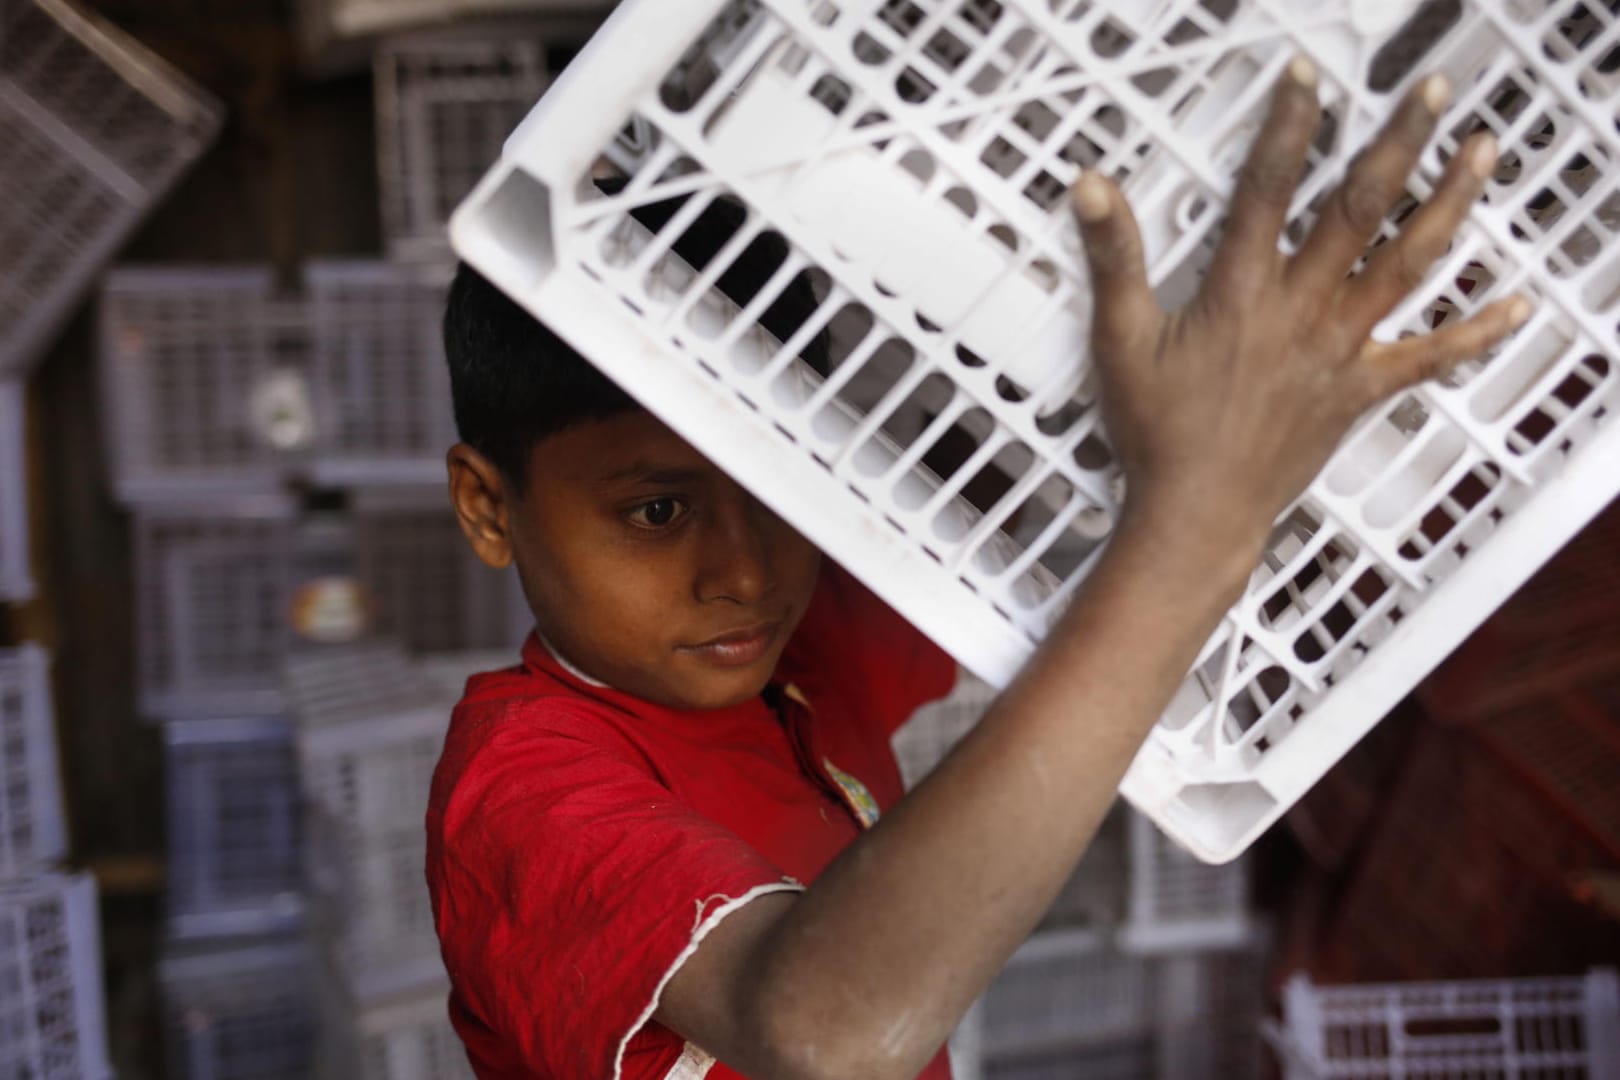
[(514, 382)]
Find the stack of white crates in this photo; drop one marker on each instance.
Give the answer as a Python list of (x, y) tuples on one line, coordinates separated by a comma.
[(1150, 965), (96, 129), (226, 401), (1511, 1029), (52, 1021), (446, 101), (370, 726)]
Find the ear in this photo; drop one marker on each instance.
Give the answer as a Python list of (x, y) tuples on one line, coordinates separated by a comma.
[(483, 506)]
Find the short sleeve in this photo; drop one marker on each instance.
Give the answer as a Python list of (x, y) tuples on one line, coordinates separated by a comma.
[(894, 667), (569, 885)]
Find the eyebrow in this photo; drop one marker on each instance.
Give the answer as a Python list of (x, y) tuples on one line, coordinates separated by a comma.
[(642, 472)]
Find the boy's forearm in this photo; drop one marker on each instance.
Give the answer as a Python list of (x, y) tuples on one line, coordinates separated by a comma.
[(893, 942)]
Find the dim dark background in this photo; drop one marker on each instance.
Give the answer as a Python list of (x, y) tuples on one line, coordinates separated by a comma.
[(1432, 851)]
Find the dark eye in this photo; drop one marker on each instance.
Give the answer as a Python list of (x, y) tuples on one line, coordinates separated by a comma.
[(657, 514)]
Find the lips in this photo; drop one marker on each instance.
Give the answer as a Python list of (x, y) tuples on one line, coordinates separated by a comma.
[(736, 648)]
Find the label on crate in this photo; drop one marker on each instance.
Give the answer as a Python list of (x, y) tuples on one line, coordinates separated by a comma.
[(331, 610)]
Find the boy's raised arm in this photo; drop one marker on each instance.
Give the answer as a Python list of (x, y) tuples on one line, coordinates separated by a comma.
[(1221, 414)]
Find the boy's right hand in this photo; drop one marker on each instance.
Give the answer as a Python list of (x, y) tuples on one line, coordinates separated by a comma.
[(1222, 412)]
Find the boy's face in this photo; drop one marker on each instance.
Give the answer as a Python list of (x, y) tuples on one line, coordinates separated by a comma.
[(650, 569)]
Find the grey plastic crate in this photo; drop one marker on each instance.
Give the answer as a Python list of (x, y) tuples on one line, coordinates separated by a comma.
[(1069, 1005), (408, 1037), (381, 387), (96, 129), (52, 1022), (446, 101), (242, 1012), (33, 833), (15, 582), (213, 588), (214, 384), (235, 858), (205, 383), (221, 586)]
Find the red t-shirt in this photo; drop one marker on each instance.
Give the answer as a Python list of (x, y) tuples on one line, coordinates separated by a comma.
[(581, 841)]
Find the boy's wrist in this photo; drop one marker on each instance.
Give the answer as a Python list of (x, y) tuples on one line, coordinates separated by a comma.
[(1189, 543)]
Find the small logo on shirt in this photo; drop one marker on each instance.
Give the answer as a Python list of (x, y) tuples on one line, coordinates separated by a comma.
[(860, 800)]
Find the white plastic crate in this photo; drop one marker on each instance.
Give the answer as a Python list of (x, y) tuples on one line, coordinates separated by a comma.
[(406, 1038), (33, 831), (1068, 1006), (239, 1013), (235, 864), (380, 383), (214, 383), (914, 156), (369, 734), (370, 907), (52, 1024), (96, 129), (15, 582), (225, 590), (446, 101), (1512, 1029)]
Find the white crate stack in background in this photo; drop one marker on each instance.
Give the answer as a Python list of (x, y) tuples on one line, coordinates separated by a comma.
[(33, 831), (446, 101), (223, 588), (16, 582), (235, 863), (1514, 1029), (369, 731), (52, 1018), (97, 129), (212, 382), (914, 156), (240, 1013)]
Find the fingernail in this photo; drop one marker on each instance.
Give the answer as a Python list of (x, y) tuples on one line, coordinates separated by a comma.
[(1436, 92), (1482, 157), (1303, 71), (1519, 311), (1091, 199)]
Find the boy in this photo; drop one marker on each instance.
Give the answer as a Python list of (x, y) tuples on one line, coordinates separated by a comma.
[(671, 843)]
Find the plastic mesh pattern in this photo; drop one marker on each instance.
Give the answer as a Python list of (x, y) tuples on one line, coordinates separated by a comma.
[(445, 104), (51, 1022), (406, 1038), (15, 583), (235, 855), (908, 160), (1090, 1011), (32, 832), (214, 381), (97, 129), (239, 1013), (1510, 1028)]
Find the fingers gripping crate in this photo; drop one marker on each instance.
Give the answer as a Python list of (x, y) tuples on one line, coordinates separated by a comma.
[(52, 1024), (1507, 1028), (902, 170), (1067, 1006), (33, 830), (235, 858), (15, 583), (214, 382), (405, 1038), (445, 103), (239, 1013), (97, 129)]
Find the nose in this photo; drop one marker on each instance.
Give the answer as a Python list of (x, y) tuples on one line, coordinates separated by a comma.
[(737, 561)]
